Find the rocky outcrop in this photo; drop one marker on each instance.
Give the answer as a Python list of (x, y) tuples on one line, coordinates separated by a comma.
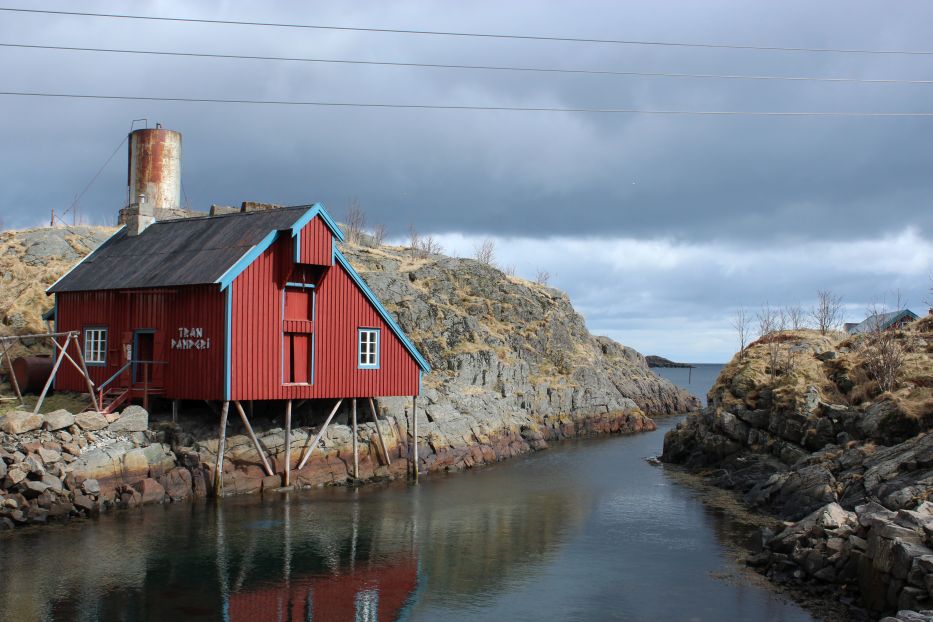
[(504, 349), (856, 475)]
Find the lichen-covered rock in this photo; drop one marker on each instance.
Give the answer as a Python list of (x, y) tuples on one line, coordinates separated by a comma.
[(132, 419), (21, 422), (91, 421)]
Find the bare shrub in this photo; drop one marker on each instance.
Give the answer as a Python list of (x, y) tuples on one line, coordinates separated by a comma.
[(356, 221), (883, 352), (543, 277), (509, 270), (486, 252), (430, 246), (414, 240), (742, 323), (828, 311), (771, 322), (796, 317), (379, 234)]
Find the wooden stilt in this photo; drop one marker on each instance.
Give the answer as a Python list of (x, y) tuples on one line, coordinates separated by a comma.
[(174, 411), (252, 436), (51, 379), (385, 452), (414, 427), (288, 443), (87, 375), (319, 435), (13, 382), (221, 446), (356, 450)]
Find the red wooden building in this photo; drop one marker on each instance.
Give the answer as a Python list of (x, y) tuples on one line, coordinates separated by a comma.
[(258, 305)]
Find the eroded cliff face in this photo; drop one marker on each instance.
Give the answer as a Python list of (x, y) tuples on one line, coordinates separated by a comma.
[(818, 442), (504, 348)]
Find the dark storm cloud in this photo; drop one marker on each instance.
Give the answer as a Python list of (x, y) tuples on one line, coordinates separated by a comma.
[(482, 171), (658, 227)]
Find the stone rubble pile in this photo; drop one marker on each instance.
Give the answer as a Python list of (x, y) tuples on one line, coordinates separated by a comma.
[(60, 465)]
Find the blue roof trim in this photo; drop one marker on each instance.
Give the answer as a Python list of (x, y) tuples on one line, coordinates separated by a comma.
[(317, 210), (249, 257), (383, 313)]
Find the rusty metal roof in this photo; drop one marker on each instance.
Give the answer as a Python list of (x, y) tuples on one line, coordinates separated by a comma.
[(191, 251)]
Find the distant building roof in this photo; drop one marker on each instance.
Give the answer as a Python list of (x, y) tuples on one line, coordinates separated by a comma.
[(192, 251), (882, 321)]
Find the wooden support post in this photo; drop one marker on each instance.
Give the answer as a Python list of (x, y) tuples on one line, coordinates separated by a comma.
[(319, 435), (385, 452), (87, 375), (175, 411), (252, 436), (356, 450), (414, 427), (288, 443), (51, 379), (221, 445), (146, 386), (13, 381)]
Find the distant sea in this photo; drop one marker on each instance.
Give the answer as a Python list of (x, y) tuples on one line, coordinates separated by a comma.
[(698, 380)]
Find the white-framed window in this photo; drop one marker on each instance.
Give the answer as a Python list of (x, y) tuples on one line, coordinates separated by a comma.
[(95, 345), (368, 349)]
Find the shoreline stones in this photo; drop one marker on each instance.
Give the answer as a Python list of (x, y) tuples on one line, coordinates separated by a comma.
[(48, 474)]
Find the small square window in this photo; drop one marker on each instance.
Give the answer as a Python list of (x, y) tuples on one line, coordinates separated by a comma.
[(95, 346), (368, 349)]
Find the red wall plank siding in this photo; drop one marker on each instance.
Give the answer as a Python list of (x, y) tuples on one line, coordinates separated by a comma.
[(341, 309), (190, 372), (316, 244)]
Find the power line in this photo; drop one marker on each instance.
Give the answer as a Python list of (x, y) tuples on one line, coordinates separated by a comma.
[(597, 72), (443, 33), (334, 104), (94, 178)]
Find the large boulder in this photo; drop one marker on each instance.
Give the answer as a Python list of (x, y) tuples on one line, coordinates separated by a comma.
[(132, 419), (21, 422), (91, 421), (150, 490), (59, 420)]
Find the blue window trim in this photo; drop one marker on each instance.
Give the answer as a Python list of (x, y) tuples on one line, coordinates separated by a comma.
[(304, 285), (84, 330), (382, 311), (359, 334)]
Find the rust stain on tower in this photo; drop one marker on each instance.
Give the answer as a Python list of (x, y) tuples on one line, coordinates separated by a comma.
[(155, 167)]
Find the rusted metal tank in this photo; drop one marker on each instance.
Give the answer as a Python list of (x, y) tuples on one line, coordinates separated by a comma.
[(155, 167), (32, 372)]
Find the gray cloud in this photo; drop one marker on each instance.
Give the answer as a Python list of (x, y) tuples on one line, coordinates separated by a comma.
[(725, 183)]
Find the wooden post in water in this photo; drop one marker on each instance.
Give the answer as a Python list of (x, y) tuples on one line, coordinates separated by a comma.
[(252, 437), (356, 450), (414, 428), (320, 433), (221, 445), (385, 452), (288, 443)]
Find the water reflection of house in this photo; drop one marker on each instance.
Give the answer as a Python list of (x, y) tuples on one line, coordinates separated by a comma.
[(370, 593)]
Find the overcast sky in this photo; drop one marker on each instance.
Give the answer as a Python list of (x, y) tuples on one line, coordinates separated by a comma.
[(658, 227)]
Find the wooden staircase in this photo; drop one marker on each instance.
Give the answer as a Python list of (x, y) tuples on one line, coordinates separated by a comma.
[(113, 398)]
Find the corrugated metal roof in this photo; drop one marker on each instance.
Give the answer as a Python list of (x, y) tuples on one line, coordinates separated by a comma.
[(881, 321), (191, 251)]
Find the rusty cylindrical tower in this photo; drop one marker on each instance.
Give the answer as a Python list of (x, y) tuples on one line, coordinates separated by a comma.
[(155, 168)]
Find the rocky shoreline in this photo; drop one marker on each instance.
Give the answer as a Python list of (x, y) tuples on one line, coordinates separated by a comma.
[(60, 466), (849, 470)]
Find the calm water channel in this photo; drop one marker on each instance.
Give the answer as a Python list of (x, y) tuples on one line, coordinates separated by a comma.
[(584, 531)]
